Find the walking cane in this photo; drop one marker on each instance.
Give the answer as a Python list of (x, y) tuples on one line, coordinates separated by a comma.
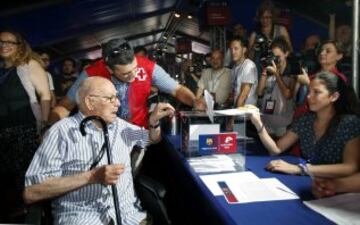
[(107, 146)]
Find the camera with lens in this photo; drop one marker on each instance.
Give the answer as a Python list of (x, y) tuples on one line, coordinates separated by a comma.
[(196, 68), (293, 67), (309, 60), (267, 61), (262, 46)]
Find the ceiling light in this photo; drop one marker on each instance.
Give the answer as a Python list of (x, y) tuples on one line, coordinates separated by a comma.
[(177, 15), (189, 16)]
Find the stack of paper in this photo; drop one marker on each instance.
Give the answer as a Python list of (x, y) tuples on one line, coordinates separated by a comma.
[(245, 187), (342, 209), (212, 164)]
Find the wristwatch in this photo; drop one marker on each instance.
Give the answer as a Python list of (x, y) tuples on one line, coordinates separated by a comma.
[(303, 167)]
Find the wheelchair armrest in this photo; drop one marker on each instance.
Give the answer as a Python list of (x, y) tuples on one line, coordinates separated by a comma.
[(34, 214), (152, 194), (39, 213), (156, 188)]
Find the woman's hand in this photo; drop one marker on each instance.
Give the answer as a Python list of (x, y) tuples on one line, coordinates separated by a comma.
[(272, 68), (283, 167), (303, 78), (254, 116), (323, 187)]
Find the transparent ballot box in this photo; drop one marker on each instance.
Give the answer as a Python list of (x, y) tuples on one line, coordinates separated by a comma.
[(218, 141)]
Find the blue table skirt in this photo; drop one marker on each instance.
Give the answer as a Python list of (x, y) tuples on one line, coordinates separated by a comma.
[(218, 211)]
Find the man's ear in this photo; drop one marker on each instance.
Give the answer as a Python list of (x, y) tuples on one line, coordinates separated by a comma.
[(334, 97), (88, 103)]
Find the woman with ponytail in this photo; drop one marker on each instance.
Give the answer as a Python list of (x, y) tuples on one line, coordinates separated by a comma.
[(329, 134)]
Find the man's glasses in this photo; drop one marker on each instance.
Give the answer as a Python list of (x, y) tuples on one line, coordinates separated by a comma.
[(111, 99), (8, 43)]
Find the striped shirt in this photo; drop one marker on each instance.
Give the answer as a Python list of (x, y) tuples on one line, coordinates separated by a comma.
[(65, 152)]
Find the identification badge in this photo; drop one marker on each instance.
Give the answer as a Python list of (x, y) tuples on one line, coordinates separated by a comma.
[(270, 106)]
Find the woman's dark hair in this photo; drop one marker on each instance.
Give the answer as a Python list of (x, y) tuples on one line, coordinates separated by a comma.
[(338, 46), (347, 103), (281, 43), (266, 5)]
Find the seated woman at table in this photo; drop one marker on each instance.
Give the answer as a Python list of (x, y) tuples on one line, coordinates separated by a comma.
[(329, 134), (326, 187)]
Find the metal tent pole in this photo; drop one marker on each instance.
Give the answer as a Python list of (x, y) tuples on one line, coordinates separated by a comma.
[(355, 44)]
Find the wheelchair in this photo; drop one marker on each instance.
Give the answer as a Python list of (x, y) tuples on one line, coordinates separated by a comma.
[(150, 192)]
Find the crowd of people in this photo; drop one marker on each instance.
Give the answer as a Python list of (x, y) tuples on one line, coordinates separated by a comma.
[(315, 112)]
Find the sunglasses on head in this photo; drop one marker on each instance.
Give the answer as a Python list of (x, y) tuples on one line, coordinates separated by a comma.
[(121, 48)]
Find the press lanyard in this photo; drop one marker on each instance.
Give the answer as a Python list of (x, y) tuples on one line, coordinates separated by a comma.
[(235, 74), (216, 80), (272, 87)]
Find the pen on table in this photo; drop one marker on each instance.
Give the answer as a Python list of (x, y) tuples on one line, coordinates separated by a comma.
[(287, 191)]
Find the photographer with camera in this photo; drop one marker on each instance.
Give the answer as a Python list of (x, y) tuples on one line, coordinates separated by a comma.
[(260, 40), (276, 88)]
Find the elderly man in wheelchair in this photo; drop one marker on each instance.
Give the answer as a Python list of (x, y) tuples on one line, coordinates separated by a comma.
[(72, 170)]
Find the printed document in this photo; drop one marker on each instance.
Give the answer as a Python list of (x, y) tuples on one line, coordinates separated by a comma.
[(342, 209), (247, 187)]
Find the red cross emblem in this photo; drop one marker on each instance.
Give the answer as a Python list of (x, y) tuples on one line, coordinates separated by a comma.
[(141, 74)]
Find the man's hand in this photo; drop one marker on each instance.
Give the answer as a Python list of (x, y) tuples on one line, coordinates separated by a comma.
[(283, 167), (107, 174), (199, 104)]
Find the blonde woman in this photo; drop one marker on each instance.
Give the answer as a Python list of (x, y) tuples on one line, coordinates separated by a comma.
[(24, 108)]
